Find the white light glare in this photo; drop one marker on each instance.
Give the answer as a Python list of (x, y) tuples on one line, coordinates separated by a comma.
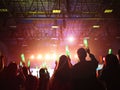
[(71, 39), (39, 56), (32, 57), (47, 56)]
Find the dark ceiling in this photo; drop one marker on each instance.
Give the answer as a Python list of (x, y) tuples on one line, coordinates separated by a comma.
[(24, 23), (69, 8)]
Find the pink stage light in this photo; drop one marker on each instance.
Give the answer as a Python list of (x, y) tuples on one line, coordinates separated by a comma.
[(71, 39)]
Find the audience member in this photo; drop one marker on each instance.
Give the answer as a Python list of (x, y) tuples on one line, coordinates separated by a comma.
[(10, 80), (110, 74), (44, 79), (25, 71), (60, 80), (84, 72), (81, 76), (31, 83), (22, 75)]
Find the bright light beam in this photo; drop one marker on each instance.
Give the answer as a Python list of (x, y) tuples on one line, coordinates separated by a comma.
[(39, 56), (47, 57), (32, 57), (71, 39), (54, 56)]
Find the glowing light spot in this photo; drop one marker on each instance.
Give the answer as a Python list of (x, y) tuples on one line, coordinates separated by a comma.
[(54, 26), (32, 57), (44, 65), (54, 56), (103, 58), (96, 26), (51, 71), (56, 11), (47, 56), (71, 39), (75, 56), (39, 56)]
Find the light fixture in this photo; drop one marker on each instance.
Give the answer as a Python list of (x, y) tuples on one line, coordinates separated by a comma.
[(35, 12), (56, 11), (3, 10), (108, 11), (55, 26), (96, 26)]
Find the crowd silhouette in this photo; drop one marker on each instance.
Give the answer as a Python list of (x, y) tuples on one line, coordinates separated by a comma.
[(80, 76)]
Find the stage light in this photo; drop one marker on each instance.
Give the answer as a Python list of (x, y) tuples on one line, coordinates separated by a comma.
[(47, 57), (39, 56), (32, 57), (96, 26), (51, 71), (54, 56), (56, 11), (55, 26), (44, 65), (34, 71), (3, 10), (71, 39), (35, 12)]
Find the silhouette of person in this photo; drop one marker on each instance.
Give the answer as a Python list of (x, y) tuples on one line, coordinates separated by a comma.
[(83, 73), (110, 74), (25, 71), (44, 79), (10, 79), (60, 79), (31, 83)]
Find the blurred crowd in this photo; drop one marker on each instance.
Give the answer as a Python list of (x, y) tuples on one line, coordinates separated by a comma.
[(81, 76)]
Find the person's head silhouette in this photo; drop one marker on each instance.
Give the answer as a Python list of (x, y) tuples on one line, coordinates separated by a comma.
[(12, 69), (111, 60), (63, 60), (81, 52)]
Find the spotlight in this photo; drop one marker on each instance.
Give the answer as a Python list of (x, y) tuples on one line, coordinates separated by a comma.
[(39, 56), (47, 56), (71, 39), (32, 57)]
